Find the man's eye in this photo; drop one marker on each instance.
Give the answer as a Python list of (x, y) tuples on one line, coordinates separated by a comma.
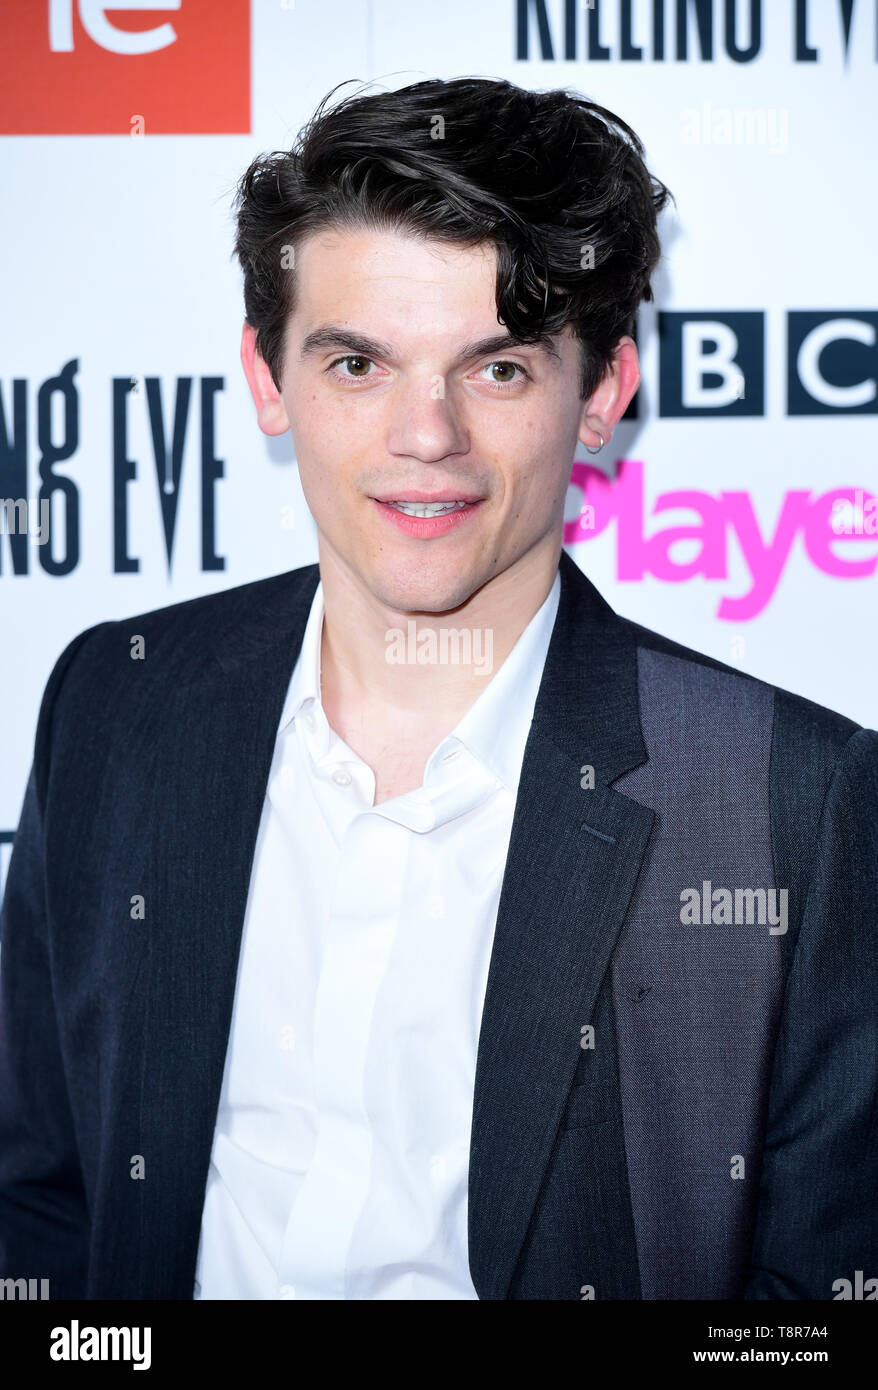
[(507, 367), (357, 368), (357, 361)]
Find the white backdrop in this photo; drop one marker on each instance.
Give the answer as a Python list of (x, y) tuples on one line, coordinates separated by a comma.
[(117, 264)]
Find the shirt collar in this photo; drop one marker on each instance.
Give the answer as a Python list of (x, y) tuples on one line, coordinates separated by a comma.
[(305, 681), (495, 727)]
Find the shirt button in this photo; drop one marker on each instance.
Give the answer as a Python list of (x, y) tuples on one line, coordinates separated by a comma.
[(341, 778), (309, 720)]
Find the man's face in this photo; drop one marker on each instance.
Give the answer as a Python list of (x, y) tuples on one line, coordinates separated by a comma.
[(409, 403)]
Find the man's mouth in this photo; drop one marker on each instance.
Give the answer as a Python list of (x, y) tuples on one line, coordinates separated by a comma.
[(427, 508), (428, 517)]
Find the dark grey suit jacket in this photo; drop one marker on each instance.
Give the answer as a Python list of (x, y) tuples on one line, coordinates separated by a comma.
[(714, 1137)]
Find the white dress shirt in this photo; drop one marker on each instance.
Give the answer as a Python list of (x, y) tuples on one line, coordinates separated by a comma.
[(340, 1157)]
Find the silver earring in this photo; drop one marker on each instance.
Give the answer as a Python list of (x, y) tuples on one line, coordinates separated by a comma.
[(590, 450)]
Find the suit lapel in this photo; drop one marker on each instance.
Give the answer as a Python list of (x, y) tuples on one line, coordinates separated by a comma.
[(574, 857), (214, 738)]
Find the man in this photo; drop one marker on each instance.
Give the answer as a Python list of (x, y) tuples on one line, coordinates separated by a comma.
[(410, 925)]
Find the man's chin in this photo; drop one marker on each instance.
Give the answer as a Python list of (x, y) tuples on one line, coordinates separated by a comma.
[(428, 592)]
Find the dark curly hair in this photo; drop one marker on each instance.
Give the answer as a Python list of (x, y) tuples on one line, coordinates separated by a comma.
[(554, 181)]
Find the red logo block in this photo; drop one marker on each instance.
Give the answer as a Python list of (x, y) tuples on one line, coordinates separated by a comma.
[(151, 67)]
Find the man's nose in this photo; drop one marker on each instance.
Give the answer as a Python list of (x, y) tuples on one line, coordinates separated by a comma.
[(425, 421)]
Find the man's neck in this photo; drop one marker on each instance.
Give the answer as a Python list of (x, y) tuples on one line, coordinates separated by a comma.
[(360, 686)]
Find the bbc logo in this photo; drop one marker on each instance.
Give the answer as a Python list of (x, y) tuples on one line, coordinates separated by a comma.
[(714, 363)]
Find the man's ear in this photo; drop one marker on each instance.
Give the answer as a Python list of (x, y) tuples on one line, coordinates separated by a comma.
[(609, 401), (271, 412)]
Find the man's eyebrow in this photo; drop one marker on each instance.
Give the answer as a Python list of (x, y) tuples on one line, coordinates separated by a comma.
[(332, 335), (502, 342)]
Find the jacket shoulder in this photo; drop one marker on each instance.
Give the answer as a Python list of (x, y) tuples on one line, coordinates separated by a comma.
[(217, 609), (794, 716), (110, 673), (178, 641)]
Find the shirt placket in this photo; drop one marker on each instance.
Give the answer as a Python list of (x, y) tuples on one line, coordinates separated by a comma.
[(357, 942)]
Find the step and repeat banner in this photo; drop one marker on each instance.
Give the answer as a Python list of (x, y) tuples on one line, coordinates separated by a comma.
[(736, 509)]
